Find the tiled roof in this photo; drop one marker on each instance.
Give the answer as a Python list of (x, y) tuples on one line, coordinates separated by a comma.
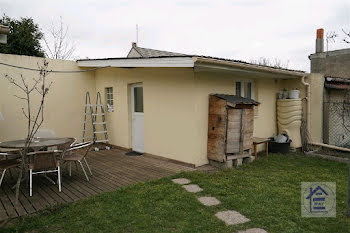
[(153, 53), (144, 52), (336, 79), (235, 99), (337, 83)]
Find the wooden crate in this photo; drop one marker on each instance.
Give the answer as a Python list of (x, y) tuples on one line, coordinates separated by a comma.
[(230, 127)]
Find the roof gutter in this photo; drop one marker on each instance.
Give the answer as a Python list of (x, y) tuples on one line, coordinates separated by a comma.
[(308, 103), (210, 61)]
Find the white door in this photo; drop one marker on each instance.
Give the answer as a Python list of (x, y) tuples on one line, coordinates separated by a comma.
[(137, 117)]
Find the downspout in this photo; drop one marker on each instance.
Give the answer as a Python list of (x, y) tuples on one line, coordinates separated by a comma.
[(308, 103)]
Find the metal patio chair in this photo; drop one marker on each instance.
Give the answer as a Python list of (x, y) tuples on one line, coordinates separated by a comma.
[(43, 162), (68, 145), (7, 164), (72, 155), (45, 133)]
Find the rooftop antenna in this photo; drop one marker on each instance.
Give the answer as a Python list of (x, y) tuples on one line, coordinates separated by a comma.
[(330, 38), (137, 34)]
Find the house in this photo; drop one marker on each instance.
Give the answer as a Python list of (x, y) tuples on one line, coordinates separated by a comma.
[(4, 30), (158, 100), (175, 88), (334, 66)]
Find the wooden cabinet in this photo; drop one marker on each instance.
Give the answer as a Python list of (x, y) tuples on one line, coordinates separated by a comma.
[(230, 126)]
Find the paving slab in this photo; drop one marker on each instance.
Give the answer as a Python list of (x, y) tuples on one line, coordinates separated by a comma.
[(253, 230), (181, 181), (231, 217), (209, 201), (192, 188)]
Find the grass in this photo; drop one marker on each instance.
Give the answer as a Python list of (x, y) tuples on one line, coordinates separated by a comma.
[(266, 191)]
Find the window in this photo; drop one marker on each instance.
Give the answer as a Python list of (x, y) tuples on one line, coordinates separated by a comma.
[(109, 99), (238, 88), (248, 90), (138, 98), (245, 89)]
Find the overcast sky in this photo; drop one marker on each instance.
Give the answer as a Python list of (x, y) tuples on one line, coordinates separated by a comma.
[(237, 29)]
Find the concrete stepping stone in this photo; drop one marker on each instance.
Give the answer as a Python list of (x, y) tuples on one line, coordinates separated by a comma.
[(192, 188), (209, 201), (231, 217), (253, 230), (181, 181)]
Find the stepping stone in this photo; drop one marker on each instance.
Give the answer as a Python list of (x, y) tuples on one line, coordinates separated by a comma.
[(181, 181), (231, 217), (209, 201), (192, 188), (253, 230)]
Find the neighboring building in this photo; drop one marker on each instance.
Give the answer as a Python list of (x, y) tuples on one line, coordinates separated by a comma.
[(335, 67), (157, 101), (4, 30)]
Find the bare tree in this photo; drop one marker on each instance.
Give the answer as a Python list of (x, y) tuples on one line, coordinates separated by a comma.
[(347, 36), (57, 43), (330, 38), (277, 63), (33, 114)]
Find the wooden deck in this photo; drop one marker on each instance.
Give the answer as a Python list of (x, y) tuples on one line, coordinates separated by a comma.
[(111, 169)]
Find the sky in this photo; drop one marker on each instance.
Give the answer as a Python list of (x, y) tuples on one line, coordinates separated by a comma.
[(237, 29)]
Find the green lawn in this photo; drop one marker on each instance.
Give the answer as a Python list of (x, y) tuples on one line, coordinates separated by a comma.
[(267, 191)]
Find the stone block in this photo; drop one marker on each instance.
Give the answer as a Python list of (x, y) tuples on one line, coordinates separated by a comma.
[(237, 162), (192, 188), (209, 201), (181, 181), (231, 217), (226, 164), (249, 159)]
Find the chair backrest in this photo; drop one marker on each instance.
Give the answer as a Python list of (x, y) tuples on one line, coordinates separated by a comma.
[(43, 160), (68, 145), (84, 147), (45, 133), (3, 156)]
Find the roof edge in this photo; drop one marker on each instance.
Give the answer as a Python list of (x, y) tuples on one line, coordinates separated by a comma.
[(213, 60), (244, 65)]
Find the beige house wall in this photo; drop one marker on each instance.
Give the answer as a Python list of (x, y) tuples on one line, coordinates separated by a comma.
[(169, 122), (316, 101), (64, 104), (265, 92), (175, 104), (176, 108)]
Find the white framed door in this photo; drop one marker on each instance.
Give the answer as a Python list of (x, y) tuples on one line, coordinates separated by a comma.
[(137, 114)]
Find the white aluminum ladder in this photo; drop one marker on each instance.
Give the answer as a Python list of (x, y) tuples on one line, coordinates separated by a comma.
[(95, 121)]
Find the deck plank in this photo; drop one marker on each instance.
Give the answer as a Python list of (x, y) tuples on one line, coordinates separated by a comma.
[(111, 169)]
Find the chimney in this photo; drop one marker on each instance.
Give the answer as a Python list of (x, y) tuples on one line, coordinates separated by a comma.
[(133, 44), (319, 40)]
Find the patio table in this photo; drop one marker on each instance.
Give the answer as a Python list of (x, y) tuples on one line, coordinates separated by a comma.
[(36, 144)]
